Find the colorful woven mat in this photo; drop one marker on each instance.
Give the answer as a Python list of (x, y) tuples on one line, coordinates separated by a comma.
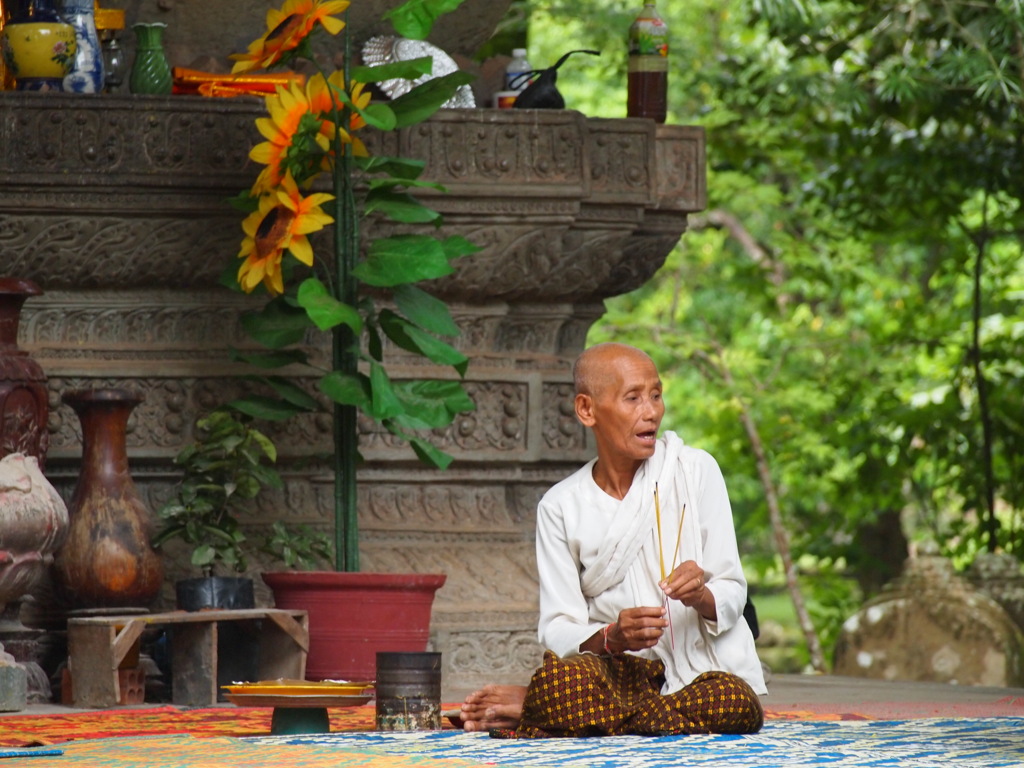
[(187, 752), (29, 730), (35, 730), (995, 742)]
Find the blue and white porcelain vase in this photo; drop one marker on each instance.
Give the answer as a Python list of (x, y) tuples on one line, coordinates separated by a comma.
[(87, 71)]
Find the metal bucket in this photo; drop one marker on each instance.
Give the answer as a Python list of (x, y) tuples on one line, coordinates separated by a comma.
[(408, 691)]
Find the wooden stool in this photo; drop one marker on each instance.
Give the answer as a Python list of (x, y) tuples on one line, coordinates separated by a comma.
[(97, 645)]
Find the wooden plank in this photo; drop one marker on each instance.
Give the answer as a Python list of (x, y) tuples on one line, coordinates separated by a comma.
[(189, 617), (93, 669), (284, 644), (296, 628), (126, 640), (194, 664)]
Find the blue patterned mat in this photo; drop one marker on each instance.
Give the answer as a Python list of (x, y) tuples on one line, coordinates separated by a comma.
[(996, 742)]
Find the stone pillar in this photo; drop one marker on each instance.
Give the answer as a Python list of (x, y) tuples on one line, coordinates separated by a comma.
[(116, 206)]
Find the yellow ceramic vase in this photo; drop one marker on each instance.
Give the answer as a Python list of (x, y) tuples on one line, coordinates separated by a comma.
[(38, 54)]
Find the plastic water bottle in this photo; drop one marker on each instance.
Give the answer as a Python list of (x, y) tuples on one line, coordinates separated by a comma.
[(647, 87), (515, 79)]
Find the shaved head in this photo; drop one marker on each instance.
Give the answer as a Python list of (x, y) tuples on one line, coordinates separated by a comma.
[(592, 372)]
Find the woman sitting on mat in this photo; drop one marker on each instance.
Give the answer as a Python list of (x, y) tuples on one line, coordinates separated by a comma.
[(633, 646)]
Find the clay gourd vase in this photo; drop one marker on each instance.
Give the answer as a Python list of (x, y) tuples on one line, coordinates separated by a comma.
[(107, 560), (151, 72), (24, 407)]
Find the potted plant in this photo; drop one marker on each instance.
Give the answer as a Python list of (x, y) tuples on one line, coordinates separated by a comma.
[(223, 471), (311, 133)]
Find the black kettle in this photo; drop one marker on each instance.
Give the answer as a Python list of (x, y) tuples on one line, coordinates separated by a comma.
[(542, 93)]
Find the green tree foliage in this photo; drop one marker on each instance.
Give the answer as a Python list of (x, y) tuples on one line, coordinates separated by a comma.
[(854, 289)]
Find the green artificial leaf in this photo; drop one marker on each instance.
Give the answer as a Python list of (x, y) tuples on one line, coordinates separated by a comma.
[(246, 202), (386, 403), (277, 359), (347, 389), (277, 325), (325, 310), (379, 115), (415, 18), (457, 246), (429, 453), (426, 98), (374, 342), (413, 339), (390, 183), (398, 70), (396, 167), (228, 277), (423, 397), (267, 408), (403, 259), (424, 310), (289, 391), (399, 206)]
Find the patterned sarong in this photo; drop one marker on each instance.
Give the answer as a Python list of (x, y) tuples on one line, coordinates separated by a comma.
[(591, 695)]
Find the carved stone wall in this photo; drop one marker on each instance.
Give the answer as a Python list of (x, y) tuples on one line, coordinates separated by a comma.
[(116, 207)]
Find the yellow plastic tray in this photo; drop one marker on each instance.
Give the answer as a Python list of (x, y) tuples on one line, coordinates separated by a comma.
[(300, 688)]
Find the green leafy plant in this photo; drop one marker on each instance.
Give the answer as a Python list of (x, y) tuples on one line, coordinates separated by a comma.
[(311, 133), (224, 470), (297, 546)]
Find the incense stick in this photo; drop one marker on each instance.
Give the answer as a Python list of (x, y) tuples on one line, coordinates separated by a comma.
[(661, 561), (657, 514), (679, 536)]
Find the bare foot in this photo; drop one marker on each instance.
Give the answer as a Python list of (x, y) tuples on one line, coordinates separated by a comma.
[(493, 706)]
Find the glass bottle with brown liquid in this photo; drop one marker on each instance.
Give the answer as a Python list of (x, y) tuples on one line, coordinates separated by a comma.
[(647, 87)]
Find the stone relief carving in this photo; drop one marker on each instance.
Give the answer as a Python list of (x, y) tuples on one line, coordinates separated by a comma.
[(478, 144), (205, 142), (620, 155), (562, 431), (74, 252), (493, 656)]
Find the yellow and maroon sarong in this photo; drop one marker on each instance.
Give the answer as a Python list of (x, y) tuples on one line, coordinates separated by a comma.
[(591, 695)]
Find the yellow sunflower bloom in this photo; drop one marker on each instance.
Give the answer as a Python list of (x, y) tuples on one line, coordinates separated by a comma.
[(281, 224), (360, 98), (287, 28), (282, 128), (301, 122)]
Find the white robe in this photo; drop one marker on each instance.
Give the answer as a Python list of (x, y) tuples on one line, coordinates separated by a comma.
[(597, 555)]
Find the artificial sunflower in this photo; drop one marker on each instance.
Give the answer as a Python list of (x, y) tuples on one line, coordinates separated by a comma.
[(360, 99), (287, 28), (300, 129), (280, 224), (298, 138)]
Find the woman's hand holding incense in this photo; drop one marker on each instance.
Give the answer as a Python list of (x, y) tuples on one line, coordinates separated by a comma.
[(687, 584)]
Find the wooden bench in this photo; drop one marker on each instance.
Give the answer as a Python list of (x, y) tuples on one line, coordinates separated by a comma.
[(98, 644)]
